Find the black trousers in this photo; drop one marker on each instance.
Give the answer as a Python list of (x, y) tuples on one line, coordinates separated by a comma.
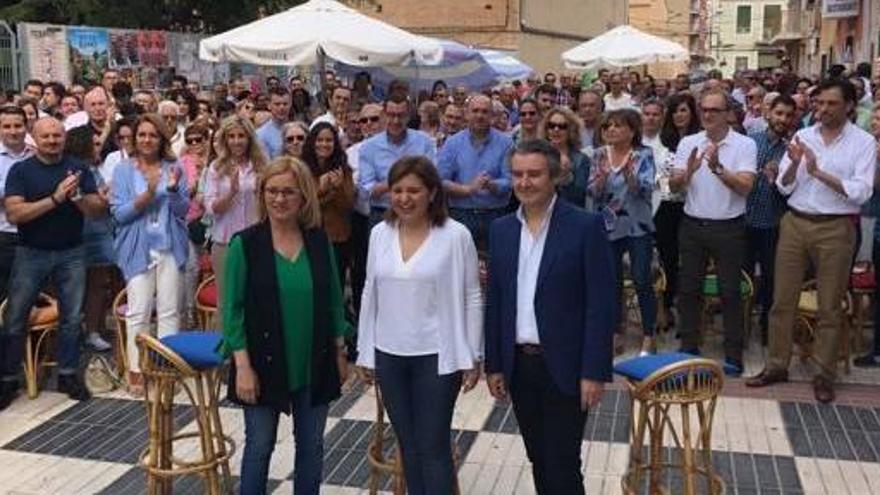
[(667, 221), (360, 238), (725, 242), (761, 251), (8, 242), (552, 427)]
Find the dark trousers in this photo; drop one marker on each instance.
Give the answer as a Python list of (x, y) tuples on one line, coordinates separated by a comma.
[(477, 222), (762, 252), (360, 239), (641, 251), (667, 221), (419, 404), (8, 243), (875, 254), (552, 427), (724, 241)]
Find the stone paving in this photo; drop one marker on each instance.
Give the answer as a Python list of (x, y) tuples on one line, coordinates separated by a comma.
[(770, 441)]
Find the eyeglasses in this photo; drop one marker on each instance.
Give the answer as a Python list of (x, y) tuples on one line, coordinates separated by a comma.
[(528, 114), (712, 109), (556, 126), (283, 193), (294, 138), (194, 140), (373, 119)]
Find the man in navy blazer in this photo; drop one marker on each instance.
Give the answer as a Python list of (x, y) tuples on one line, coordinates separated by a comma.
[(550, 317)]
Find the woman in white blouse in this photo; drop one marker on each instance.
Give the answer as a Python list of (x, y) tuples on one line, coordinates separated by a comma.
[(421, 321)]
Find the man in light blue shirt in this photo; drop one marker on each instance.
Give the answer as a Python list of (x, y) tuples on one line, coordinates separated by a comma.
[(269, 134), (380, 152), (474, 167)]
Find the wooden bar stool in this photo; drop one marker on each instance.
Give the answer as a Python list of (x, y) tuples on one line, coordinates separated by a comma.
[(206, 303), (382, 464), (660, 386), (42, 322), (188, 361)]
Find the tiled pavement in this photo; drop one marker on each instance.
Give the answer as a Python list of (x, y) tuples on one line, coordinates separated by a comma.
[(776, 441)]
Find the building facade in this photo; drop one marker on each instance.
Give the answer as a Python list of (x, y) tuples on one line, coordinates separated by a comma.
[(677, 20), (537, 31)]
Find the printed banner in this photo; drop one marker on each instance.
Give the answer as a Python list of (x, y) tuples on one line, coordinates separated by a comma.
[(123, 49), (832, 9), (152, 48), (47, 54), (89, 53)]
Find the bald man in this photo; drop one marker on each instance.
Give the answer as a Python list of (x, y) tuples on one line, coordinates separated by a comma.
[(47, 198), (474, 166), (96, 104)]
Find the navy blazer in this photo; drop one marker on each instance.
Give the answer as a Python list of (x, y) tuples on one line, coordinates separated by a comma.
[(575, 298)]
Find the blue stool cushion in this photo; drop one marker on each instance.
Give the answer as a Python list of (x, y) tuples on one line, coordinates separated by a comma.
[(641, 367), (199, 349)]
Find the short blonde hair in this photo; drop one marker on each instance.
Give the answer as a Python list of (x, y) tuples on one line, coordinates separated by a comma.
[(310, 212)]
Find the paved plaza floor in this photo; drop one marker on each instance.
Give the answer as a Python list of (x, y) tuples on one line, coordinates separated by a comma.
[(770, 441)]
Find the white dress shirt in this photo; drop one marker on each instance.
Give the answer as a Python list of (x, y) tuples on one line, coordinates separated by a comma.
[(623, 101), (851, 158), (7, 160), (531, 250), (430, 304), (706, 196), (361, 196)]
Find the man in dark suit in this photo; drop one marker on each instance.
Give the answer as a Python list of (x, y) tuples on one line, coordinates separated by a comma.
[(549, 318)]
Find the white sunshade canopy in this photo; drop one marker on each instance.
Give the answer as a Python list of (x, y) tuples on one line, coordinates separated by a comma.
[(623, 46), (295, 37)]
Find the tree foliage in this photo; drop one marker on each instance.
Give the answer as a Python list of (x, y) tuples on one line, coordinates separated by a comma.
[(200, 16)]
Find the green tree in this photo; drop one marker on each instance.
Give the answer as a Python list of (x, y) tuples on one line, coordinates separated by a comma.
[(200, 16)]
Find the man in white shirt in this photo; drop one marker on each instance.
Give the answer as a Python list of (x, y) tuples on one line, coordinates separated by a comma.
[(716, 170), (371, 121), (652, 120), (617, 99), (827, 174), (589, 109), (12, 150), (337, 114)]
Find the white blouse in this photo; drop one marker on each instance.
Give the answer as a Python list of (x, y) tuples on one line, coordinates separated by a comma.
[(430, 304)]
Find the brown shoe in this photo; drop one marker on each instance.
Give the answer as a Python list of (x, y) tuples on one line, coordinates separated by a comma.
[(823, 389), (767, 377)]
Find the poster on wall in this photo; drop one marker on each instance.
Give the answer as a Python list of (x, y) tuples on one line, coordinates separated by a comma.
[(46, 52), (833, 9), (123, 49), (89, 53), (152, 48)]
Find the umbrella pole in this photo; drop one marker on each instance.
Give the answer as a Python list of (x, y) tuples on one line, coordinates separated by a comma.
[(321, 62)]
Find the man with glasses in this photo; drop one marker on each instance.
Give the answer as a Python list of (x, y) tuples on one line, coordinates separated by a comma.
[(371, 122), (827, 173), (270, 134), (473, 166), (715, 168), (754, 120), (378, 153)]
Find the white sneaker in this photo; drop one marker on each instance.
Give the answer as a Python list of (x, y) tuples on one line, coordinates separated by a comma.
[(95, 341)]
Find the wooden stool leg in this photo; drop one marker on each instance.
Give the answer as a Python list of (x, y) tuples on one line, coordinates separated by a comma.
[(30, 366), (656, 478), (213, 408), (688, 453)]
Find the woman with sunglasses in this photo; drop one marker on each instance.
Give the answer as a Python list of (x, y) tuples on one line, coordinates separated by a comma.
[(680, 119), (194, 160), (230, 188), (294, 138), (327, 160), (563, 128), (529, 118), (621, 186)]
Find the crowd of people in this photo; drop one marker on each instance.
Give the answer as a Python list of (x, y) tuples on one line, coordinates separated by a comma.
[(430, 238)]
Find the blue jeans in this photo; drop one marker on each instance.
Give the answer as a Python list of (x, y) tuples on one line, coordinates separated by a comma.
[(641, 250), (32, 269), (420, 403), (261, 428)]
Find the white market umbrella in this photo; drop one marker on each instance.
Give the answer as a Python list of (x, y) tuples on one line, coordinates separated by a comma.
[(305, 34), (623, 46)]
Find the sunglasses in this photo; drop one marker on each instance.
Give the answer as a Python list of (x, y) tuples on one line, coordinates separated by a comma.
[(294, 138), (373, 119), (554, 126), (194, 140)]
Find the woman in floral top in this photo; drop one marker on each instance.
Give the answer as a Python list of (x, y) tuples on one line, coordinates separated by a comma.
[(621, 183)]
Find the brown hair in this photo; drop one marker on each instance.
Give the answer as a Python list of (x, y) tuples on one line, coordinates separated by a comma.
[(310, 213), (626, 117), (422, 168), (165, 152)]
